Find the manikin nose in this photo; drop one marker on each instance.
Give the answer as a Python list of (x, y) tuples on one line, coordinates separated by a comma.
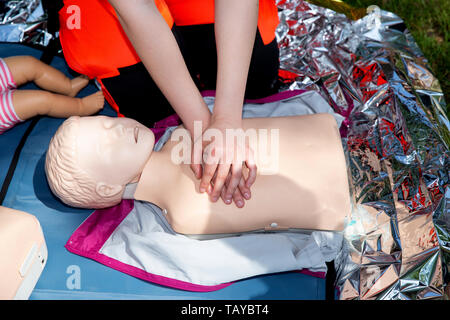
[(117, 130), (107, 122)]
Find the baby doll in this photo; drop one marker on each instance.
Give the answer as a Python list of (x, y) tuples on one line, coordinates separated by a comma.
[(92, 161), (56, 100)]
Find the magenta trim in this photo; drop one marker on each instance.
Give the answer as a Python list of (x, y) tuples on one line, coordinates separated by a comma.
[(316, 274), (273, 98), (174, 120), (98, 227), (160, 127)]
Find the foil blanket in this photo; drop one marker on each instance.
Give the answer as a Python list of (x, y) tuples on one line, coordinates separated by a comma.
[(23, 21), (396, 137)]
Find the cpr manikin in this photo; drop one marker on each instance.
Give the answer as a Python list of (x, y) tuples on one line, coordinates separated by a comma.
[(91, 160), (57, 99), (23, 251)]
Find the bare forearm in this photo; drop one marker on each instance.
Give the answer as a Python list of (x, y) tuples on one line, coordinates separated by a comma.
[(235, 30), (158, 50)]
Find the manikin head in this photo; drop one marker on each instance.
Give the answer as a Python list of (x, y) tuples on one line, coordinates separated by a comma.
[(90, 160)]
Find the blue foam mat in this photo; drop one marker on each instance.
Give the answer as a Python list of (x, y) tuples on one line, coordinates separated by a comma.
[(69, 276)]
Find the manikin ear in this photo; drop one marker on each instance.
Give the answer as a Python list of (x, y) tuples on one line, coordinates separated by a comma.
[(106, 190)]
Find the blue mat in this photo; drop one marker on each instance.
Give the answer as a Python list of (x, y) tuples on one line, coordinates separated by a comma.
[(68, 276)]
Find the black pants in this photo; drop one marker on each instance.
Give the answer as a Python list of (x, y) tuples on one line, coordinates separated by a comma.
[(138, 97)]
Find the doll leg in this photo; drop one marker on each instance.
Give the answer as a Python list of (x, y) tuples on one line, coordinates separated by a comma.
[(30, 103), (26, 69)]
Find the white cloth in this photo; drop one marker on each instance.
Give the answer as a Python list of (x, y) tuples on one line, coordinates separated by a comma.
[(145, 241)]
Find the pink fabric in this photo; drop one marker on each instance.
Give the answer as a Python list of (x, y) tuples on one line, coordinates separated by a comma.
[(160, 127), (90, 236), (174, 120), (275, 97), (316, 274)]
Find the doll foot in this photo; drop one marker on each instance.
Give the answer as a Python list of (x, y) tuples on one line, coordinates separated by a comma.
[(77, 84), (92, 104)]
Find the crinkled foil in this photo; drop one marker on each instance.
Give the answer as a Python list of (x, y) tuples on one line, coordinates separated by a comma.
[(396, 138), (23, 21)]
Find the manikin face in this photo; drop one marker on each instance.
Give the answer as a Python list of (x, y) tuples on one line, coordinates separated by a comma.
[(113, 151)]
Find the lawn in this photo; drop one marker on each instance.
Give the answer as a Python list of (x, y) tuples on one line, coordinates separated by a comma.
[(428, 21)]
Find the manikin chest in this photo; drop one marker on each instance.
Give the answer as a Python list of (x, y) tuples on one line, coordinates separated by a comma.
[(301, 183)]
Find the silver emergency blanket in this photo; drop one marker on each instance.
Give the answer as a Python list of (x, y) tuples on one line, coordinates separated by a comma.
[(396, 135), (23, 21)]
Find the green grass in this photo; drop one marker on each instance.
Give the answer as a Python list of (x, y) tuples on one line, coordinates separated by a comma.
[(429, 22)]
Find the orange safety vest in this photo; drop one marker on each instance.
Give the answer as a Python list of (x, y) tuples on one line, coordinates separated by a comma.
[(94, 43), (192, 12), (92, 39)]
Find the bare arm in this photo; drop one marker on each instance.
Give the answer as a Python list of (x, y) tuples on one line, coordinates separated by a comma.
[(156, 46), (235, 31)]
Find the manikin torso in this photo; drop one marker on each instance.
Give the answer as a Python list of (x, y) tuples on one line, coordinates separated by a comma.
[(309, 189)]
